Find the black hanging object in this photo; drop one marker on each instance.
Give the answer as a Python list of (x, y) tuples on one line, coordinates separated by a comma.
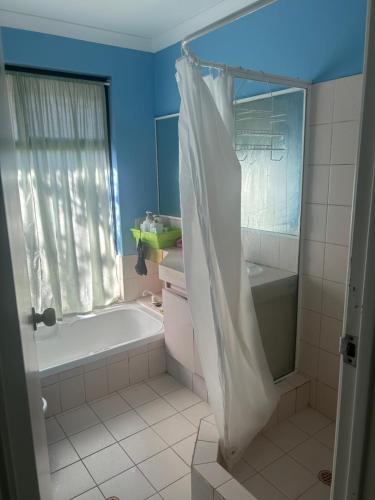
[(140, 267)]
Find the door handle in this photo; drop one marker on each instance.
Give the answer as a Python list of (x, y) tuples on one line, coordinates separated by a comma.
[(48, 317)]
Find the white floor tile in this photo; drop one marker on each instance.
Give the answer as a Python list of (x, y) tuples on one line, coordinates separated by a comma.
[(138, 395), (77, 420), (242, 471), (155, 497), (313, 455), (164, 384), (182, 399), (71, 481), (310, 421), (54, 431), (94, 494), (125, 425), (196, 412), (289, 477), (185, 448), (108, 463), (261, 452), (180, 490), (318, 492), (109, 406), (262, 489), (143, 445), (155, 411), (91, 440), (130, 485), (327, 436), (286, 435), (174, 429), (164, 469), (61, 454)]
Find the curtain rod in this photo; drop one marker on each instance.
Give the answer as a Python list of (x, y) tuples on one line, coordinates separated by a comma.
[(248, 74), (259, 4), (239, 72)]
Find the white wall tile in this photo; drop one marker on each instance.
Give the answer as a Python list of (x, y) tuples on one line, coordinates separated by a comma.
[(251, 244), (348, 98), (338, 224), (118, 375), (316, 180), (269, 249), (320, 144), (333, 299), (302, 396), (311, 293), (341, 185), (157, 362), (73, 372), (72, 392), (322, 99), (313, 258), (331, 331), (138, 368), (310, 327), (51, 393), (128, 264), (335, 263), (315, 219), (96, 383), (344, 143), (289, 250), (308, 359), (326, 400), (328, 368)]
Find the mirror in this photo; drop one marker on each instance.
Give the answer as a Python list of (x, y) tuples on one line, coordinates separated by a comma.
[(269, 143)]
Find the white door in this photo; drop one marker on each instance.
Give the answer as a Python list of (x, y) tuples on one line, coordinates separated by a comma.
[(22, 428), (356, 369)]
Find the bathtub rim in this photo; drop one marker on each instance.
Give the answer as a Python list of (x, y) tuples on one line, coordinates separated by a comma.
[(111, 350)]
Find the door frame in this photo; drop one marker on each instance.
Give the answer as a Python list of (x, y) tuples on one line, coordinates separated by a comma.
[(23, 444), (355, 388)]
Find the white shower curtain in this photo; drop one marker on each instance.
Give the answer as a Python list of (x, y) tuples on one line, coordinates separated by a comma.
[(240, 386)]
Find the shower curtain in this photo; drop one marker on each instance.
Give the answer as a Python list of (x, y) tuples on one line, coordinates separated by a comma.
[(239, 383)]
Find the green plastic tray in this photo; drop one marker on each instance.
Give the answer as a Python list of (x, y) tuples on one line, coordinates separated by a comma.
[(158, 240)]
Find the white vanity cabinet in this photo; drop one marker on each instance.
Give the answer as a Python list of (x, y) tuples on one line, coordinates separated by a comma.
[(178, 329)]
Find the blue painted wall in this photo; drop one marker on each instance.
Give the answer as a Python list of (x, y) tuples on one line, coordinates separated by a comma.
[(131, 109), (315, 40)]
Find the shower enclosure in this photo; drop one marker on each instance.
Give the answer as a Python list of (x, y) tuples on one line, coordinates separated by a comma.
[(269, 141)]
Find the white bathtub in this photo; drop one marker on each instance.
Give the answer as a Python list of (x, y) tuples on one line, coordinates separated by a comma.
[(91, 337)]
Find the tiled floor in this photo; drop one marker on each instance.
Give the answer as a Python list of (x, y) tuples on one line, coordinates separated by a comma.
[(282, 463), (138, 443)]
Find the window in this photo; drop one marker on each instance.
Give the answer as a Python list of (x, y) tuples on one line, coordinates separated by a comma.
[(269, 145), (60, 131)]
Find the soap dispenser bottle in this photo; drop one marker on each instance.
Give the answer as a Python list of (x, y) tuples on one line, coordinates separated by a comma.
[(146, 224)]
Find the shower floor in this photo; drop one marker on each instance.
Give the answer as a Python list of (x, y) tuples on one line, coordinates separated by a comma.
[(137, 444)]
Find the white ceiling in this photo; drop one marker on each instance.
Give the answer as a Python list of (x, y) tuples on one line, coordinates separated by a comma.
[(149, 25)]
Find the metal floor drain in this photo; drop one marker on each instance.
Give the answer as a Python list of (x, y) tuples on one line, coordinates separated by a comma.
[(112, 498), (325, 476)]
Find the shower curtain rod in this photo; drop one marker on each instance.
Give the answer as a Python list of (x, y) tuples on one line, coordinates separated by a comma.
[(239, 72), (247, 74)]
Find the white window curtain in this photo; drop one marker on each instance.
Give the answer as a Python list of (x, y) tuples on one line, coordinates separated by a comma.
[(239, 383), (64, 182)]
